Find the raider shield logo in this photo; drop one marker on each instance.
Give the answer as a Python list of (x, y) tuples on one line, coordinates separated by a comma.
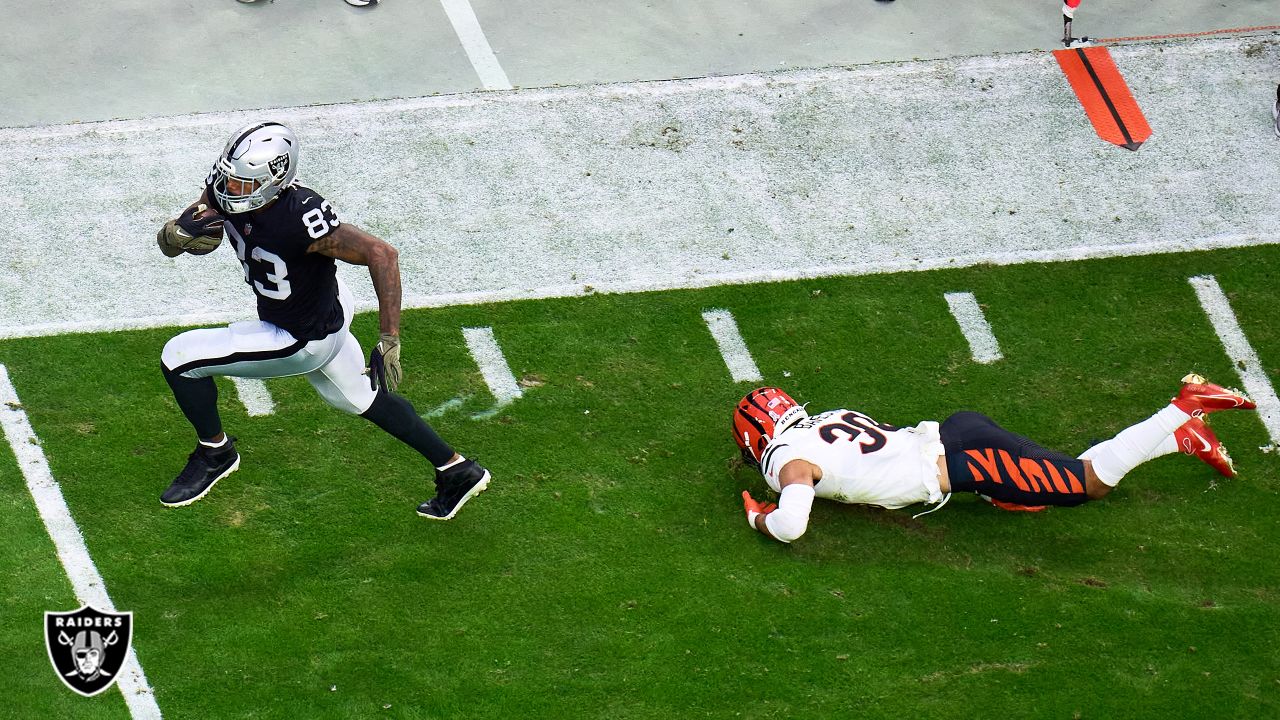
[(279, 165), (87, 647)]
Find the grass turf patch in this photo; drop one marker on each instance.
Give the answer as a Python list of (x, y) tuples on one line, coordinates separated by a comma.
[(609, 572)]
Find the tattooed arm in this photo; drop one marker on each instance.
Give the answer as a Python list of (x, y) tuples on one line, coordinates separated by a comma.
[(351, 244)]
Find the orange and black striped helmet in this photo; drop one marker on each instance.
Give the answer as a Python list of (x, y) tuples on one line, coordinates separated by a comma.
[(761, 415)]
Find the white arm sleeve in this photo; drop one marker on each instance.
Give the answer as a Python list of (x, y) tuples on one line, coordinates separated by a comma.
[(791, 518)]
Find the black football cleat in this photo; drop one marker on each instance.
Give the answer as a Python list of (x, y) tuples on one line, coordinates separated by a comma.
[(454, 487), (205, 467)]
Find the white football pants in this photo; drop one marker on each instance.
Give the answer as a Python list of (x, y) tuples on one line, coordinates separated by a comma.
[(256, 349)]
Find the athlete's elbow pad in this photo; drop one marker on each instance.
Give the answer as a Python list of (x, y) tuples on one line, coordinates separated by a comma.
[(791, 518)]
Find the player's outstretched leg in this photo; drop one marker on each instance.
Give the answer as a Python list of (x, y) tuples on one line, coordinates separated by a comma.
[(457, 478), (1179, 426), (343, 384), (1009, 470), (215, 456)]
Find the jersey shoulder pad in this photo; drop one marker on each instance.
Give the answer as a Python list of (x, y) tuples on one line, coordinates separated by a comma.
[(304, 197), (307, 213)]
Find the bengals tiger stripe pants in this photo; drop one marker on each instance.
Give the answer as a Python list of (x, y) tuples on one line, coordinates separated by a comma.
[(984, 458)]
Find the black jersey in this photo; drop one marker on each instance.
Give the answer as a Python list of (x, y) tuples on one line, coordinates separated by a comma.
[(297, 290)]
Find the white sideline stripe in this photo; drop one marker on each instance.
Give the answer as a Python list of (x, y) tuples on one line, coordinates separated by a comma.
[(968, 314), (474, 42), (86, 581), (732, 347), (254, 395), (666, 282), (518, 212), (1245, 360), (492, 363)]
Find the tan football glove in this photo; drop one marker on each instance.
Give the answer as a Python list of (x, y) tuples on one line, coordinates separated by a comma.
[(384, 363), (188, 233)]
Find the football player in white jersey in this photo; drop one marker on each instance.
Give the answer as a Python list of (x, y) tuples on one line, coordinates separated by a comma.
[(287, 239), (846, 456)]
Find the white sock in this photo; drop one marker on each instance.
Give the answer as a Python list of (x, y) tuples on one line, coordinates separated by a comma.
[(1136, 444), (211, 444), (450, 464), (1166, 446)]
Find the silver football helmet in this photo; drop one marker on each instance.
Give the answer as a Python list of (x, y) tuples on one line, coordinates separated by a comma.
[(258, 162)]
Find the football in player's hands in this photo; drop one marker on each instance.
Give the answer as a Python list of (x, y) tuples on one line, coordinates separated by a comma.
[(197, 231)]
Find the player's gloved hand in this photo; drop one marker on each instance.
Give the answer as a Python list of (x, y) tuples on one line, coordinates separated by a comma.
[(754, 508), (188, 233), (384, 363), (193, 226)]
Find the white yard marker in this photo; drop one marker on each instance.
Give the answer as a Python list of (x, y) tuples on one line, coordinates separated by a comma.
[(493, 364), (982, 342), (444, 407), (86, 581), (474, 42), (254, 395), (1256, 384), (732, 347)]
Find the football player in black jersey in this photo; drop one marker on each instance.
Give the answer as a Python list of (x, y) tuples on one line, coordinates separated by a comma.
[(287, 238)]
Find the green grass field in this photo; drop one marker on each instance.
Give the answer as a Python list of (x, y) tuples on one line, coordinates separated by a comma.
[(609, 572)]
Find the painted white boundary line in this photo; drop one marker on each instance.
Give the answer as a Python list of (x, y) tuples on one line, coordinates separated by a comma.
[(733, 348), (444, 407), (492, 363), (474, 42), (254, 395), (1256, 384), (701, 280), (968, 314), (86, 581)]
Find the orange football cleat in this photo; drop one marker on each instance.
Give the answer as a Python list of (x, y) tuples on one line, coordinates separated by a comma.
[(1199, 396), (1195, 438)]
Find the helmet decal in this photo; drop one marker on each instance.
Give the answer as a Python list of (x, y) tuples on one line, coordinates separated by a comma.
[(279, 165)]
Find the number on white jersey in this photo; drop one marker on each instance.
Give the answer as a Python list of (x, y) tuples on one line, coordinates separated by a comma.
[(851, 425)]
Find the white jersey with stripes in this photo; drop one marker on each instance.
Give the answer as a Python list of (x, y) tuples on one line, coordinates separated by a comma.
[(863, 462)]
